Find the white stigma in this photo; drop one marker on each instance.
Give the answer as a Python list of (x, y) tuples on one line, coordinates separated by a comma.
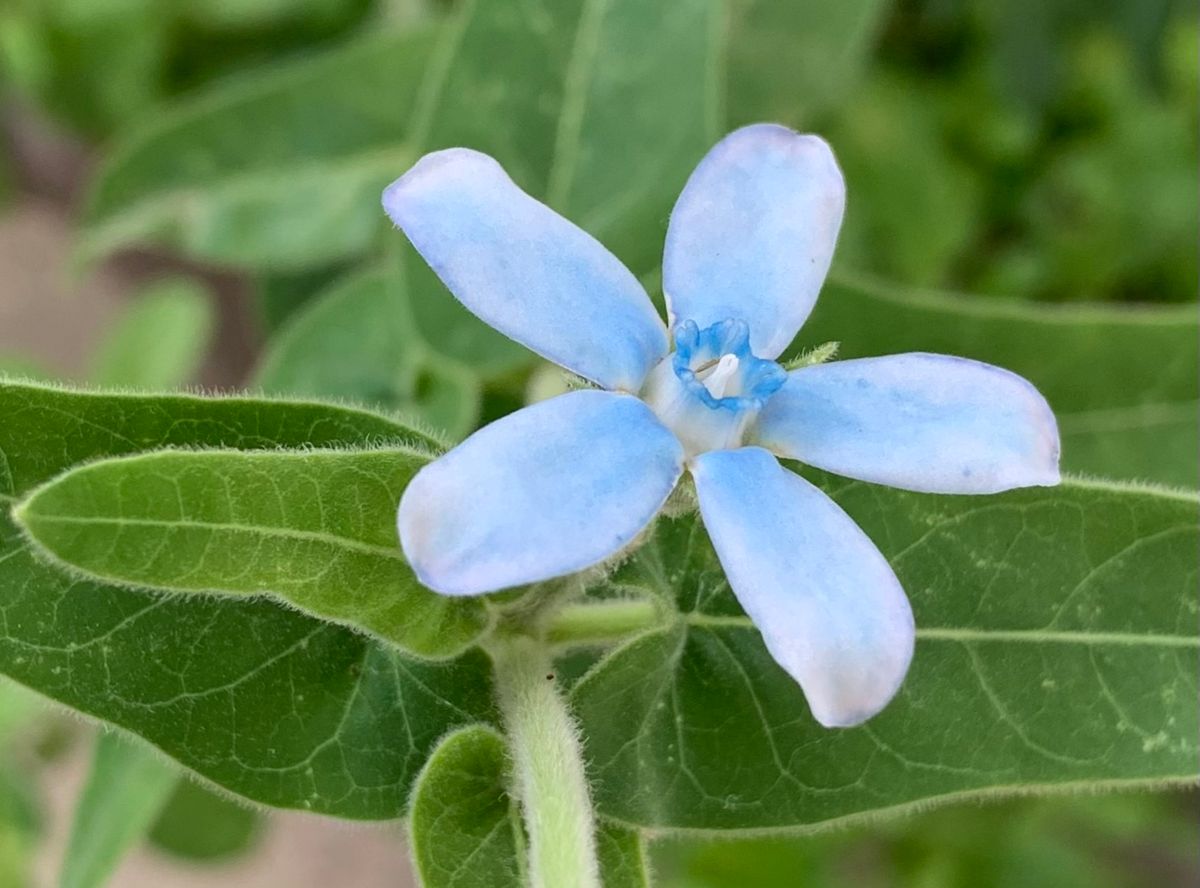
[(718, 378)]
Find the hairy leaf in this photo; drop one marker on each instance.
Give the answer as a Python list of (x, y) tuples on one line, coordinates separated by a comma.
[(314, 528), (265, 701), (1122, 381), (127, 786), (47, 429), (1057, 649), (622, 854), (464, 829)]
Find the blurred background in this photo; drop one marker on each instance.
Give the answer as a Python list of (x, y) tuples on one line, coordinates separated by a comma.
[(157, 229)]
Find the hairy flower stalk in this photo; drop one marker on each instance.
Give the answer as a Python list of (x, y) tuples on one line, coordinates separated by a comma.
[(547, 768)]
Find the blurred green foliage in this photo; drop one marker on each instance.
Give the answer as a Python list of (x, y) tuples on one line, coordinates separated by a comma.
[(1090, 842), (200, 824), (99, 64), (20, 819), (1032, 149)]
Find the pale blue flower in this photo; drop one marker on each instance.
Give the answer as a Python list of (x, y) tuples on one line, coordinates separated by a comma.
[(561, 485)]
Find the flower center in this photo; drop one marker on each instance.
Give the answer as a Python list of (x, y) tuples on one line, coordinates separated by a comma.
[(710, 388), (717, 376)]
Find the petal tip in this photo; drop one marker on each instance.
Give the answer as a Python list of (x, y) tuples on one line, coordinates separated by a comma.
[(807, 151), (1044, 468), (418, 541), (429, 168), (868, 699)]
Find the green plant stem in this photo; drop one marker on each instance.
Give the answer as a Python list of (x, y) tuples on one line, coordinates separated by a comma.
[(547, 768), (600, 622)]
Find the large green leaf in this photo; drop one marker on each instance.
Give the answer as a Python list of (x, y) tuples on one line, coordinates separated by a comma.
[(263, 700), (464, 829), (127, 786), (601, 107), (788, 61), (47, 429), (1122, 381), (280, 169), (639, 107), (1057, 649), (623, 859), (313, 528)]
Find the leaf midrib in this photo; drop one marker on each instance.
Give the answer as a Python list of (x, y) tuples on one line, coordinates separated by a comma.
[(1144, 415), (312, 536), (577, 79), (967, 635), (1181, 317)]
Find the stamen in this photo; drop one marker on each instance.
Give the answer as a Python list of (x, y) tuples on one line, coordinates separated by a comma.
[(717, 380)]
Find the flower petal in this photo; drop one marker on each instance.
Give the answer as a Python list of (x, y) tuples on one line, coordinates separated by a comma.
[(829, 608), (545, 491), (526, 270), (752, 235), (931, 423)]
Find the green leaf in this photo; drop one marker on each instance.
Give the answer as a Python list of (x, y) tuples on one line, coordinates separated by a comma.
[(464, 829), (280, 296), (623, 861), (199, 824), (126, 788), (262, 700), (359, 340), (159, 341), (1122, 381), (640, 106), (1057, 650), (602, 108), (281, 169), (313, 528), (441, 328), (789, 61), (48, 428)]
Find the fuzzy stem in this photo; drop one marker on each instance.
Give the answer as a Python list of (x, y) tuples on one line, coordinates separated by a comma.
[(600, 622), (547, 768)]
